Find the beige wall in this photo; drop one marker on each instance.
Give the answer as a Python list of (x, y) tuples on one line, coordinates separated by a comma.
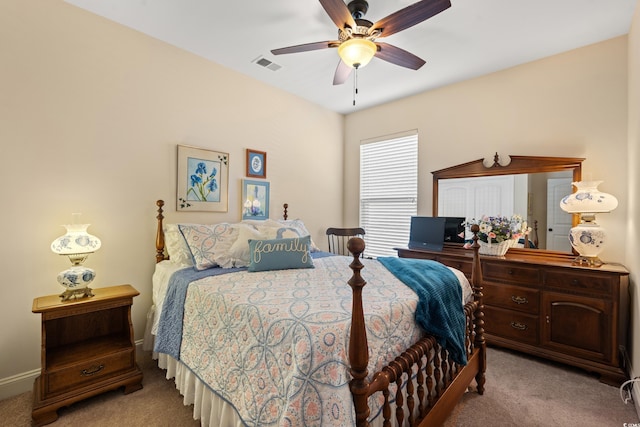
[(633, 221), (90, 116), (573, 104)]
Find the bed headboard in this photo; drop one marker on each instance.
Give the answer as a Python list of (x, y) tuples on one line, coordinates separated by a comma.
[(160, 249)]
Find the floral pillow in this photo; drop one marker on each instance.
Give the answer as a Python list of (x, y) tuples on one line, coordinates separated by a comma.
[(209, 244), (280, 254)]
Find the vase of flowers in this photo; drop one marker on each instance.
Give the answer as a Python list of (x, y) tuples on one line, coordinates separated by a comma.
[(499, 233)]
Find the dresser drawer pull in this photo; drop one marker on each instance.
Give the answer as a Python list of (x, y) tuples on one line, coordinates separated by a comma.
[(92, 371), (518, 326), (519, 300)]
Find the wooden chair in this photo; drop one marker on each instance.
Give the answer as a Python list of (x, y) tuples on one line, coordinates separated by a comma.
[(338, 238)]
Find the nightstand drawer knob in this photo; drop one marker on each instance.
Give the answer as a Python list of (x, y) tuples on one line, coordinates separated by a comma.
[(92, 371), (519, 300), (519, 326)]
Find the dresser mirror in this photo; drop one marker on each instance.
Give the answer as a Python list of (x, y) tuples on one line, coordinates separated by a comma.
[(529, 186)]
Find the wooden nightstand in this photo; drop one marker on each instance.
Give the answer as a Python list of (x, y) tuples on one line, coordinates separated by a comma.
[(87, 348)]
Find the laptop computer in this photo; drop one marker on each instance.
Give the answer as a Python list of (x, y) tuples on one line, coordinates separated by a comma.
[(427, 233)]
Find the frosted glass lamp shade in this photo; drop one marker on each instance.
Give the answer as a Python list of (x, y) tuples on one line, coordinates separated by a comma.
[(588, 199), (76, 241), (357, 52)]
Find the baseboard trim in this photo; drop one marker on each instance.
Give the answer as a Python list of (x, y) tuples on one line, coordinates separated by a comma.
[(22, 383), (17, 384)]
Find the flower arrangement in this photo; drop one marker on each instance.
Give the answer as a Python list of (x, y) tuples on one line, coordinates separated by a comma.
[(497, 229)]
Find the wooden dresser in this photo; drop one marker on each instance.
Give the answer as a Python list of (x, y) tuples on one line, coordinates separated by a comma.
[(543, 305)]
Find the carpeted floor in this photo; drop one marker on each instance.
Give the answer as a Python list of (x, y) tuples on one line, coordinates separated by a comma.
[(520, 391)]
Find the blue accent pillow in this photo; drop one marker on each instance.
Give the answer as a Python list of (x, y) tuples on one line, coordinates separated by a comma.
[(280, 254)]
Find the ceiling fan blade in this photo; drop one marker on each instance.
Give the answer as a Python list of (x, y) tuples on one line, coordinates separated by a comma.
[(342, 73), (306, 47), (409, 16), (398, 56), (339, 13)]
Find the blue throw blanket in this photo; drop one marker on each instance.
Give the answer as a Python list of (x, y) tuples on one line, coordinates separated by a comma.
[(439, 311)]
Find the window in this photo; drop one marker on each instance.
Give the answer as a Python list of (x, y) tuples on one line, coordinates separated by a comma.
[(388, 192)]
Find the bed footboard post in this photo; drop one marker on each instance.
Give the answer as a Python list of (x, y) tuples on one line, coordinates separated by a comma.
[(476, 283), (160, 233), (358, 347)]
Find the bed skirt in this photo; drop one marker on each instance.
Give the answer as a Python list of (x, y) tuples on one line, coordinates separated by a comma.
[(208, 407)]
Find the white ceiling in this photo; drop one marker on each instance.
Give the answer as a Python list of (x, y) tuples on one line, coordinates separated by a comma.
[(471, 38)]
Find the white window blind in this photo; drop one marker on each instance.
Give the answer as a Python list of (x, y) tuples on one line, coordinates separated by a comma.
[(388, 193)]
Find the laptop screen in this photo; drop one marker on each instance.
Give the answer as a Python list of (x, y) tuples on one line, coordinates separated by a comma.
[(427, 233)]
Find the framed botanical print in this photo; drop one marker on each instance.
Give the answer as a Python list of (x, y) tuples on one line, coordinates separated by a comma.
[(203, 180), (256, 164), (255, 199)]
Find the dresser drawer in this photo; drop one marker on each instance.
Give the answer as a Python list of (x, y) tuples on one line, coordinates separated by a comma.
[(512, 297), (574, 281), (89, 371), (457, 263), (511, 273), (511, 324)]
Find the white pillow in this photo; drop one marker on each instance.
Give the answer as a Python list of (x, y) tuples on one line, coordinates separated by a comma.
[(209, 244), (176, 246), (239, 252), (298, 225)]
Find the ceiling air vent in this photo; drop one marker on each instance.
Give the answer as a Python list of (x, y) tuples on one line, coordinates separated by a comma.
[(264, 62)]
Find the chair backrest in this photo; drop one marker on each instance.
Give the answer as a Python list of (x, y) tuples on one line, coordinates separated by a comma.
[(339, 237)]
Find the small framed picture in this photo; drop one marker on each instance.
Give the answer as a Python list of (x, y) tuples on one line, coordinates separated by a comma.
[(203, 180), (255, 199), (256, 164)]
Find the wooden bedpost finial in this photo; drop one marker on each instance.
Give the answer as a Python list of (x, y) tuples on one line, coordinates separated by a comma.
[(160, 233), (285, 215), (358, 348)]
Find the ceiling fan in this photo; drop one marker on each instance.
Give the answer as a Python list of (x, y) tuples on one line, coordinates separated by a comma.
[(357, 43)]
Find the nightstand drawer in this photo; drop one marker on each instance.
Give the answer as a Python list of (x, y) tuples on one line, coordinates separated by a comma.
[(89, 371), (511, 324), (512, 297), (573, 281), (511, 273)]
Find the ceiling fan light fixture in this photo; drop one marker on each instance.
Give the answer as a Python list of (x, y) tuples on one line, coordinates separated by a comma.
[(357, 52)]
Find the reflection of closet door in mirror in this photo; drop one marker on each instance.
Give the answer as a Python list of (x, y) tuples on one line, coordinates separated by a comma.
[(473, 198), (558, 221)]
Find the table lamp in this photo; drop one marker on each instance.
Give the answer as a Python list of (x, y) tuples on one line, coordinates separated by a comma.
[(77, 244), (588, 238)]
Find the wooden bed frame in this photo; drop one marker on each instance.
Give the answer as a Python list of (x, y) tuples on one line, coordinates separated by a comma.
[(438, 384)]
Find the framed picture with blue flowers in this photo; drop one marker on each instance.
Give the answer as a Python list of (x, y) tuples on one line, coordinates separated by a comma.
[(255, 199), (203, 180)]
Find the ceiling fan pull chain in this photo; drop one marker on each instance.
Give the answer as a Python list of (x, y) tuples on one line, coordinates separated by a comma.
[(355, 85)]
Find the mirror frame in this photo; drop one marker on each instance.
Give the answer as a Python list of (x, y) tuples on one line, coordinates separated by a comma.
[(517, 165)]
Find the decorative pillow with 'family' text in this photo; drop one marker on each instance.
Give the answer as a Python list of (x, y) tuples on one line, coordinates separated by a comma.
[(280, 254)]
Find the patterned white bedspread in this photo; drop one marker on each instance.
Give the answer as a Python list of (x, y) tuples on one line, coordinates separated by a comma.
[(274, 343)]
